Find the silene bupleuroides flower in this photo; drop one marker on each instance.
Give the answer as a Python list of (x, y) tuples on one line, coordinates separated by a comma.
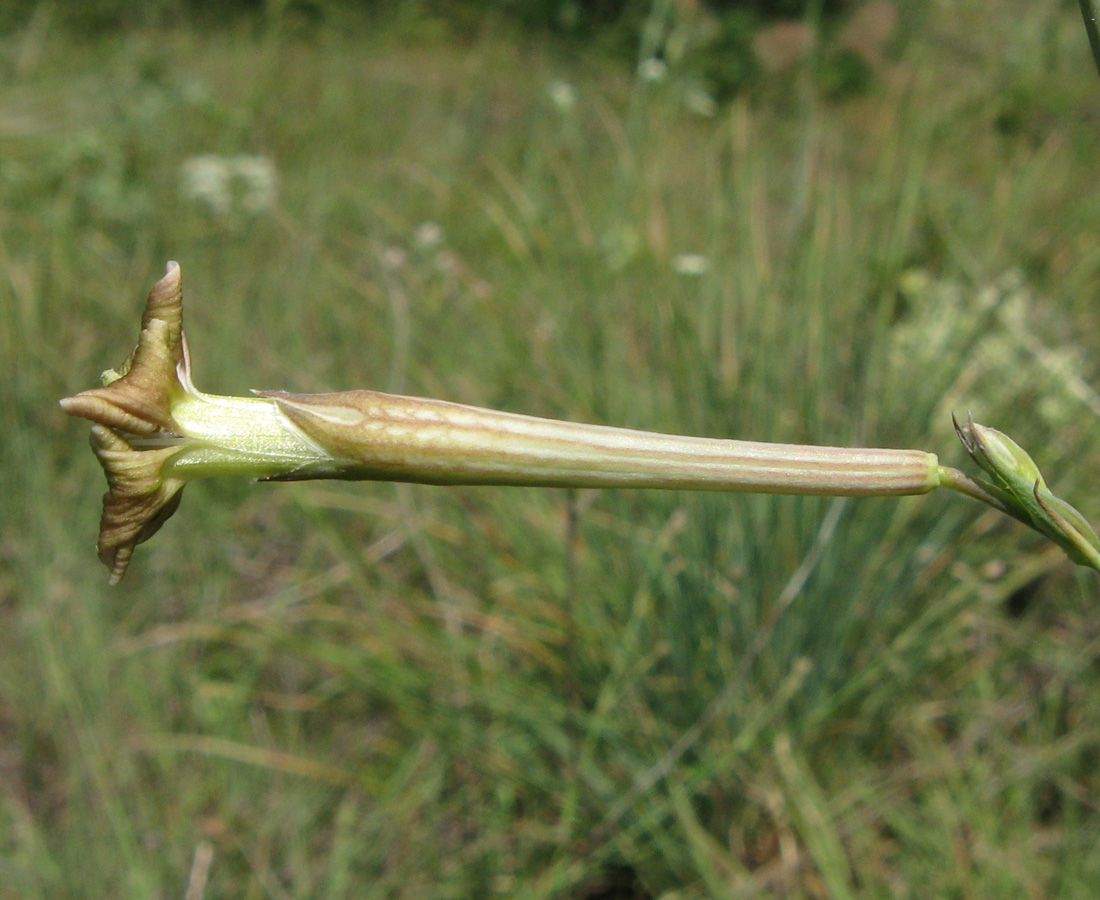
[(153, 431)]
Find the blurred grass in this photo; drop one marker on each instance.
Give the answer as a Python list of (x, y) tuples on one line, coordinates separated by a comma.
[(393, 691)]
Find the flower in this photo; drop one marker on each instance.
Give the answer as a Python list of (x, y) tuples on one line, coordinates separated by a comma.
[(137, 402), (428, 235), (562, 95), (652, 69), (230, 186), (153, 431), (694, 264)]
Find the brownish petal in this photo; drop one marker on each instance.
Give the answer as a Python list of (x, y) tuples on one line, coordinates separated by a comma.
[(139, 500), (139, 402)]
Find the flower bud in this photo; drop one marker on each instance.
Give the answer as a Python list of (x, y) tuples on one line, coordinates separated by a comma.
[(1017, 482)]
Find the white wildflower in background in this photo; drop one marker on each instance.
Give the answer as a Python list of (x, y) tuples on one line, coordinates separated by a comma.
[(694, 264), (428, 235), (206, 182), (936, 311), (253, 183), (230, 186), (393, 258), (1006, 358), (652, 69), (562, 95)]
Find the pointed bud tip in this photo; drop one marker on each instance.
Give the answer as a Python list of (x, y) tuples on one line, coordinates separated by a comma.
[(165, 303), (172, 274), (963, 431)]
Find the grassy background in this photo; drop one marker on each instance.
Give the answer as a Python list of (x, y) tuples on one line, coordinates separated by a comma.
[(391, 691)]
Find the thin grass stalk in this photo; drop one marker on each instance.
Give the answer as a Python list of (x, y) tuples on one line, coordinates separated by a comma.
[(1090, 9)]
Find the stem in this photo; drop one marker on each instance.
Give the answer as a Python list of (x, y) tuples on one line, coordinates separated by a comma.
[(958, 481)]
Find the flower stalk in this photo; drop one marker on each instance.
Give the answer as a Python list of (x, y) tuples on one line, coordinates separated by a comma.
[(154, 431)]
